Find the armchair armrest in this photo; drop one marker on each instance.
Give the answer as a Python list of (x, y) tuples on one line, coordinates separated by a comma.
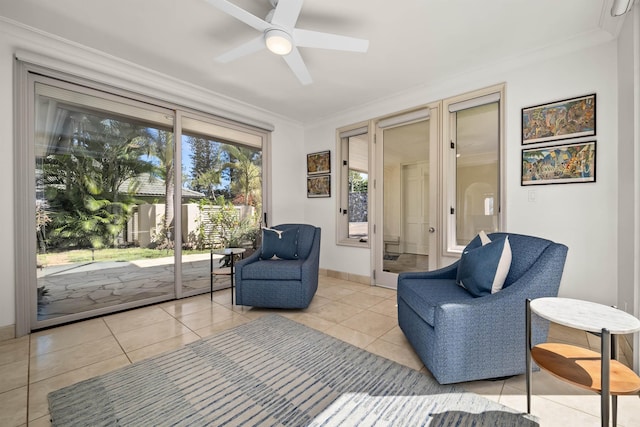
[(448, 272), (248, 260), (311, 265)]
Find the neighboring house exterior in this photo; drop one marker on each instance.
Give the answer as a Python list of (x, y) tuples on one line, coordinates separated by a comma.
[(147, 218)]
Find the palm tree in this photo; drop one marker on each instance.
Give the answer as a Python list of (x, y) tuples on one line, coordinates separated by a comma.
[(162, 147), (82, 180), (247, 173)]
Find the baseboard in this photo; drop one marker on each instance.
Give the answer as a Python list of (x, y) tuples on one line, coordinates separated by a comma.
[(364, 280), (7, 332)]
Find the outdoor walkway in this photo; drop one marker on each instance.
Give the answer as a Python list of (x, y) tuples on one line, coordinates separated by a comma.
[(74, 288)]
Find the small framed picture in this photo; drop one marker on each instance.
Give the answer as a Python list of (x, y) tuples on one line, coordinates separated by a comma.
[(319, 186), (319, 163), (562, 164), (569, 118)]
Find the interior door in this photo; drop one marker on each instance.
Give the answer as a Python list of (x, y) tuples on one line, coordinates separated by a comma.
[(415, 204), (406, 222)]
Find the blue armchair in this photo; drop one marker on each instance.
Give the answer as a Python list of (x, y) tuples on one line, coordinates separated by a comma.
[(281, 283), (460, 337)]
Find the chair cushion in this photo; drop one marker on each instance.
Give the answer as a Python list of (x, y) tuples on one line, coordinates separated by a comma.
[(525, 251), (483, 270), (281, 244), (273, 269), (425, 296)]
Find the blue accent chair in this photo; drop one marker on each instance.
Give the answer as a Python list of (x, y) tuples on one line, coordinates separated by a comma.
[(281, 283), (462, 338)]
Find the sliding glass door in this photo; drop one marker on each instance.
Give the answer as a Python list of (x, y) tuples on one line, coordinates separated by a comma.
[(117, 189), (221, 199), (104, 195)]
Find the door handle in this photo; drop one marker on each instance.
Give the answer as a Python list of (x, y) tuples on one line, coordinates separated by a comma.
[(432, 230)]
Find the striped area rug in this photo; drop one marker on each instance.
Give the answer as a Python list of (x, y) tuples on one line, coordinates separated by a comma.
[(272, 372)]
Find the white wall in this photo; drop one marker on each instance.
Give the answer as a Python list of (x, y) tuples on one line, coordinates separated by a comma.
[(288, 183), (288, 176), (582, 216), (628, 55), (321, 212), (7, 291), (629, 170)]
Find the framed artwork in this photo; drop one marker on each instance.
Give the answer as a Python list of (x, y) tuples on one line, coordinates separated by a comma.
[(318, 163), (319, 186), (569, 118), (562, 164)]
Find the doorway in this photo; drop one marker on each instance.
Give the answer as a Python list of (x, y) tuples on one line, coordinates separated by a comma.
[(406, 214)]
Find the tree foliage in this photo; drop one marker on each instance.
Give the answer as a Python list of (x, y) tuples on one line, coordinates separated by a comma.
[(206, 166), (358, 183), (82, 180), (246, 173), (161, 146)]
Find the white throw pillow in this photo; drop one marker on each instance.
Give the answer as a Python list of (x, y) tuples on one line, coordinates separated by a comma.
[(484, 269)]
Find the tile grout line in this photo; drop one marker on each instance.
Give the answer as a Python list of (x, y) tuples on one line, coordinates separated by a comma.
[(179, 321), (117, 340)]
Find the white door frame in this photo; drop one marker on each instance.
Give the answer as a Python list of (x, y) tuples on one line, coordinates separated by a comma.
[(387, 279)]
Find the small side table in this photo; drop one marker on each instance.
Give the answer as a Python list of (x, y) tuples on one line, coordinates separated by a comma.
[(598, 372), (232, 252)]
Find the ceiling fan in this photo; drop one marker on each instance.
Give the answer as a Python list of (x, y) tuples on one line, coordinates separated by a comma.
[(280, 36)]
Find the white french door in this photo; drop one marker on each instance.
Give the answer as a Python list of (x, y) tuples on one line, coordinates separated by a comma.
[(406, 191)]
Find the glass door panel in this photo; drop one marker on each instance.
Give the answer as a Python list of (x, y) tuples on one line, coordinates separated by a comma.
[(406, 198), (407, 211), (357, 208), (477, 171), (104, 211), (221, 202)]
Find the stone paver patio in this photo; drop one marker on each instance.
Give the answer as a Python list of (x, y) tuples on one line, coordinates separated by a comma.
[(74, 288)]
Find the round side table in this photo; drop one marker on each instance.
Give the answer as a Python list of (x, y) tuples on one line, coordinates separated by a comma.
[(231, 252), (598, 372)]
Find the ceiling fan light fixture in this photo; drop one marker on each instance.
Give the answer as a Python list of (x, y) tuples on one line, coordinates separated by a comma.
[(278, 42)]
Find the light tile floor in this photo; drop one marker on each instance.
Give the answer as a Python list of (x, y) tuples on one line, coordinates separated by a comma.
[(32, 366)]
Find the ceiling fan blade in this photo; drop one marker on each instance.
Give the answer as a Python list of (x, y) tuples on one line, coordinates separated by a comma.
[(287, 12), (247, 48), (295, 62), (240, 14), (307, 38)]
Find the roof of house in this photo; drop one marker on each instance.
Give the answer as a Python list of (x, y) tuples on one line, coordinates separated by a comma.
[(151, 186)]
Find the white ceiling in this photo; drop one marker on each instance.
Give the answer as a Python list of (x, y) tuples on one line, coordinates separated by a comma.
[(412, 42)]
